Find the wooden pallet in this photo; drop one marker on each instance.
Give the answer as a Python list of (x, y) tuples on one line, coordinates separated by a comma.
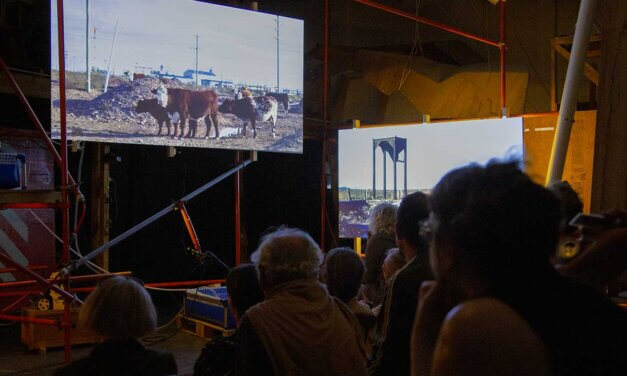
[(200, 328), (42, 337)]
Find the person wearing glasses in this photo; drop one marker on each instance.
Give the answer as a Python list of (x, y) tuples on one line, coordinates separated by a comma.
[(497, 306)]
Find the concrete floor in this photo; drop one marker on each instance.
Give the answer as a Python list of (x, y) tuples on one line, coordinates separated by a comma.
[(15, 360)]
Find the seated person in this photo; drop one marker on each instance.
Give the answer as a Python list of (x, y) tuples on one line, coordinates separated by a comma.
[(390, 355), (218, 355), (119, 311), (344, 270), (394, 261), (298, 329), (498, 307), (381, 237)]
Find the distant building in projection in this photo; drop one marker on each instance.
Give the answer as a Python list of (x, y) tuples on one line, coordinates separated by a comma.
[(206, 78)]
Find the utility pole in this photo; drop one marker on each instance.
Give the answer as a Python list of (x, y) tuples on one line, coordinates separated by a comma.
[(115, 33), (196, 61), (277, 53), (87, 68)]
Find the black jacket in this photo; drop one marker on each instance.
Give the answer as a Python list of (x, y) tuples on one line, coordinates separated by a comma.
[(122, 358), (390, 355)]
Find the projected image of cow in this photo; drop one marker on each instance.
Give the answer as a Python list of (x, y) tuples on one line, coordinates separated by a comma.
[(179, 73), (387, 163)]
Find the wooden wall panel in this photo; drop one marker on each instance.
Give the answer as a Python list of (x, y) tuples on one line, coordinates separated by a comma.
[(538, 140)]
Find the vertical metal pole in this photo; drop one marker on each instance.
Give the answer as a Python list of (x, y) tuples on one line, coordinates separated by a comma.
[(323, 170), (405, 170), (87, 68), (385, 176), (568, 105), (196, 61), (115, 33), (238, 223), (394, 164), (502, 49), (65, 211), (374, 171), (278, 90)]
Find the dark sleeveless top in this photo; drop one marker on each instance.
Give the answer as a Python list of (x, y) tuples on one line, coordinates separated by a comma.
[(585, 332)]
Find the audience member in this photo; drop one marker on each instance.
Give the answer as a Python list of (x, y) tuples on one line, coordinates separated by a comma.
[(394, 261), (395, 320), (344, 271), (298, 329), (119, 311), (603, 263), (381, 229), (498, 307), (218, 356), (570, 203)]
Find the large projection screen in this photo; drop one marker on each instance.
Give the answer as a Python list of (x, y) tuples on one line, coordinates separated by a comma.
[(431, 150), (159, 54)]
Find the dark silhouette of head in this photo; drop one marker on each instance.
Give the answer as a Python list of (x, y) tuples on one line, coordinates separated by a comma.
[(344, 270), (413, 209), (242, 284), (570, 202), (493, 221)]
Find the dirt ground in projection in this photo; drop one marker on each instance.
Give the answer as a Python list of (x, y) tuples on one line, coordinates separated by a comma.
[(111, 117)]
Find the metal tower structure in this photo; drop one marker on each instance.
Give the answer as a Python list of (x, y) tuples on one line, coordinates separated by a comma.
[(392, 146)]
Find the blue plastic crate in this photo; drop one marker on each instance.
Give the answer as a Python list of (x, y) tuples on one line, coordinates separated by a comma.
[(10, 172), (210, 304)]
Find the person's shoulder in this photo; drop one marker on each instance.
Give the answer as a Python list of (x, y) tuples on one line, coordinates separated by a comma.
[(481, 336), (82, 366), (160, 359), (410, 275), (484, 315)]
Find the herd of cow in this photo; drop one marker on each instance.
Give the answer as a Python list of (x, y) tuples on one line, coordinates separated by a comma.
[(177, 106)]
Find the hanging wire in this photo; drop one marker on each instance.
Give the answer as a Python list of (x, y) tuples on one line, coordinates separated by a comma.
[(414, 50)]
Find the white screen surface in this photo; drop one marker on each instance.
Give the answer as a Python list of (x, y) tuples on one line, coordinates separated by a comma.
[(156, 42), (432, 150)]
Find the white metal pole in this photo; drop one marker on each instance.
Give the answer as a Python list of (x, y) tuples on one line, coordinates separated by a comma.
[(87, 67), (278, 90), (196, 61), (568, 105), (115, 33)]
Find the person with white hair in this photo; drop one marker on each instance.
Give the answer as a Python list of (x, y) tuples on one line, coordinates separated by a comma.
[(299, 329), (382, 233)]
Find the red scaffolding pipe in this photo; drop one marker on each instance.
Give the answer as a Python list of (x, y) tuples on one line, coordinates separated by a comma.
[(323, 172), (203, 282), (501, 44), (502, 50), (427, 21), (31, 320), (238, 223), (76, 279), (35, 120), (16, 270), (6, 259), (65, 212)]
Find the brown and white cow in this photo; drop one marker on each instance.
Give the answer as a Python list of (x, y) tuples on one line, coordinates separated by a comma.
[(158, 112), (191, 104), (281, 98), (252, 109)]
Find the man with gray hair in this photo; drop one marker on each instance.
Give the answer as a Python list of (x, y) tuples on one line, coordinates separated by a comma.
[(298, 329)]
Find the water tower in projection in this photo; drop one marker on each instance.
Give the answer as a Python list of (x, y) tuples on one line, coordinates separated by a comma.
[(392, 146)]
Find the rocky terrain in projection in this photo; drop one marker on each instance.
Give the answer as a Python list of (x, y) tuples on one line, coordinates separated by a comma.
[(111, 117)]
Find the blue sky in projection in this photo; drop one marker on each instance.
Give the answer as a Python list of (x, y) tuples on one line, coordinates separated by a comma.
[(433, 149), (238, 45)]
